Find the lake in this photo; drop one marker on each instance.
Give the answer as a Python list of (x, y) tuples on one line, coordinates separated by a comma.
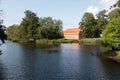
[(54, 62)]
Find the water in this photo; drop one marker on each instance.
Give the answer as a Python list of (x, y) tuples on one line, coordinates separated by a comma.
[(54, 62)]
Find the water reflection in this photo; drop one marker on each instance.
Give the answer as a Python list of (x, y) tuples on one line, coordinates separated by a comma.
[(2, 71), (54, 62)]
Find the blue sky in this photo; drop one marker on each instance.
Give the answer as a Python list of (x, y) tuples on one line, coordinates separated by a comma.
[(69, 11)]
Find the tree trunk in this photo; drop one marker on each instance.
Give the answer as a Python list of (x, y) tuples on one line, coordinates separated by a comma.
[(34, 41)]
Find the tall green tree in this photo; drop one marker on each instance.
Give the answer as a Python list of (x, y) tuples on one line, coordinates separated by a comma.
[(50, 28), (30, 25), (88, 24), (102, 20), (114, 13), (111, 35)]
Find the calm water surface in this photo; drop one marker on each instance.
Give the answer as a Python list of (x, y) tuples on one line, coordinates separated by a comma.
[(54, 62)]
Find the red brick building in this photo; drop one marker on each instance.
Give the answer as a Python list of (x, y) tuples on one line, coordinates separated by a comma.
[(73, 33)]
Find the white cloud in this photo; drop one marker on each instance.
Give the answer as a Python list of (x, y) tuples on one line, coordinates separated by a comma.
[(92, 9), (108, 3)]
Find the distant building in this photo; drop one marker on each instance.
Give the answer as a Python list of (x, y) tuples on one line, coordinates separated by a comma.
[(73, 33)]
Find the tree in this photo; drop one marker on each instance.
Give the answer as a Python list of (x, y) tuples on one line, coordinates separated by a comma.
[(12, 32), (30, 25), (102, 20), (88, 24), (111, 35), (101, 14), (114, 13), (117, 4), (49, 28)]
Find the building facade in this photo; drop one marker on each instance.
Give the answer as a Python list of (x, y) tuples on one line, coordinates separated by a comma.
[(73, 33)]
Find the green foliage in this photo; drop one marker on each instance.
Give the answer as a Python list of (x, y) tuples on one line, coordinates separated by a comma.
[(102, 20), (33, 28), (88, 24), (12, 32), (114, 13), (111, 35), (49, 28), (92, 28), (117, 4), (30, 25), (54, 41), (117, 53), (87, 20), (101, 14)]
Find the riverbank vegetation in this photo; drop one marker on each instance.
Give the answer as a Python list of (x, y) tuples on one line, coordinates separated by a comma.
[(34, 28), (56, 41), (49, 41), (94, 25), (111, 35), (107, 25)]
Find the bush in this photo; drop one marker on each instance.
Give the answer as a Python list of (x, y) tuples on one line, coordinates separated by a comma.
[(111, 35)]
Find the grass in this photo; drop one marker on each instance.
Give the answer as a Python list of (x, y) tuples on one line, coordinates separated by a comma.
[(90, 41), (51, 41), (111, 53), (117, 53)]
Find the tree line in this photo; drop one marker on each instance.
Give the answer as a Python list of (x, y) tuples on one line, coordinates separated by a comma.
[(111, 34), (93, 27), (32, 28), (105, 23)]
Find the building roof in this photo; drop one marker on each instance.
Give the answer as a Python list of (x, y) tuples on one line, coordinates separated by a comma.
[(73, 30)]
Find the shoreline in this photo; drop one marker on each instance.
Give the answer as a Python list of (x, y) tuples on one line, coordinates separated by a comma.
[(114, 58), (87, 41)]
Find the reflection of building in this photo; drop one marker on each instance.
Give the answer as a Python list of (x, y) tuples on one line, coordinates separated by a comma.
[(73, 33)]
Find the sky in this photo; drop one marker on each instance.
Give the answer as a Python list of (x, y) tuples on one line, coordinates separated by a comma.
[(69, 11)]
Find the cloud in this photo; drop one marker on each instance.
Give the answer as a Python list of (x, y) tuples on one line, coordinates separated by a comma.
[(108, 3), (92, 9)]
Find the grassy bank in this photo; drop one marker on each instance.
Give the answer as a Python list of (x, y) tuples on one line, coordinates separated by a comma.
[(114, 53), (91, 41), (48, 41), (106, 51)]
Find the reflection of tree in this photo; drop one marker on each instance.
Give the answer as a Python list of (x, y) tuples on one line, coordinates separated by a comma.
[(2, 72), (110, 69), (49, 48)]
